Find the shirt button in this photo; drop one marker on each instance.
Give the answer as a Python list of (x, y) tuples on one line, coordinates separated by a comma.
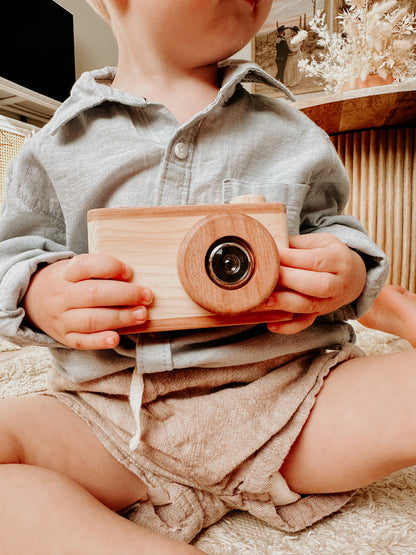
[(181, 150)]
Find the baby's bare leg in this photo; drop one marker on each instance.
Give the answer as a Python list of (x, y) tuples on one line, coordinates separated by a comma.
[(60, 487), (362, 428), (394, 311)]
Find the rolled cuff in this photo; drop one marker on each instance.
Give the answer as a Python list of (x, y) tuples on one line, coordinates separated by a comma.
[(14, 284)]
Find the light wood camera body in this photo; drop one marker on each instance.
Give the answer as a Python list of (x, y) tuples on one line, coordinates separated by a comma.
[(149, 239)]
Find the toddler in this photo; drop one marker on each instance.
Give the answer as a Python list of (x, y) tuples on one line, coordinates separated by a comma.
[(143, 440)]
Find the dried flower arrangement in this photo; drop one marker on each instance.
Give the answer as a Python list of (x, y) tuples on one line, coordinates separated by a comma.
[(377, 38)]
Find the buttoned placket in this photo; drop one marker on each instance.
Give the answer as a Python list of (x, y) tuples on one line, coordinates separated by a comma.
[(175, 175), (153, 352)]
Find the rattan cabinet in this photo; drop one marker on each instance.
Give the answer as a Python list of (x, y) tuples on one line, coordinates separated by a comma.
[(374, 133)]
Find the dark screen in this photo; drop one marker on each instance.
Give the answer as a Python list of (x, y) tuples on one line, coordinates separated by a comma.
[(38, 47)]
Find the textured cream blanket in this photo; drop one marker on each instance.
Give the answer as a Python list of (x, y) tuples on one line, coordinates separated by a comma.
[(380, 519)]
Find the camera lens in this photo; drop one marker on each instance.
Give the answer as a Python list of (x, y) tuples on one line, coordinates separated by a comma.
[(229, 262)]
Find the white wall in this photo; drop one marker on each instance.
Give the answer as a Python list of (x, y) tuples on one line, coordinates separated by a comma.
[(245, 53), (95, 45)]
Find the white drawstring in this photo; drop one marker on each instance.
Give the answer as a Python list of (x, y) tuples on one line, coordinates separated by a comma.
[(280, 492), (136, 399)]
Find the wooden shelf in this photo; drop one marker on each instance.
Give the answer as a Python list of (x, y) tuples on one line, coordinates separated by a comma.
[(385, 106), (26, 103)]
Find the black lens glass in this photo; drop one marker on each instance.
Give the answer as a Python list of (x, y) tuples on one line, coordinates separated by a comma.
[(229, 262)]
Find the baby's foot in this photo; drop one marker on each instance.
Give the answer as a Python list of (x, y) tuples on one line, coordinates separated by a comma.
[(393, 311)]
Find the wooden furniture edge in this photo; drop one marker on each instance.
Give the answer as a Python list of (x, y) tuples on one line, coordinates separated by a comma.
[(387, 105)]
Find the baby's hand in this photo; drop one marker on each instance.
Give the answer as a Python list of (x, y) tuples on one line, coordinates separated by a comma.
[(81, 301), (318, 274)]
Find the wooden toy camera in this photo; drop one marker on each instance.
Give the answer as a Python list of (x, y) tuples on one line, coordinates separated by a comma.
[(207, 265)]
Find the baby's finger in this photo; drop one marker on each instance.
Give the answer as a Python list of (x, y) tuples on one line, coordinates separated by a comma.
[(104, 293), (101, 266), (296, 303), (92, 341), (316, 252), (91, 321), (299, 323), (315, 284)]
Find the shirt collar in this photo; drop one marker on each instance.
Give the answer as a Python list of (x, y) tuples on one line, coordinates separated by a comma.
[(93, 88), (240, 71)]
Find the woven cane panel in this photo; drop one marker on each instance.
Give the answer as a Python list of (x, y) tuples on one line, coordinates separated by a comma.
[(10, 143), (381, 164)]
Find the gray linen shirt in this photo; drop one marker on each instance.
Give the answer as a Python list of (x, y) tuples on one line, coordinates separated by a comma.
[(107, 148)]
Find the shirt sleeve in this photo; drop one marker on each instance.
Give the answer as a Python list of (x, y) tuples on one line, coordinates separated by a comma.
[(32, 232), (323, 213)]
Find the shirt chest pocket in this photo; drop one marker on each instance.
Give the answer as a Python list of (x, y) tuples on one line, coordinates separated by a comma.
[(290, 194)]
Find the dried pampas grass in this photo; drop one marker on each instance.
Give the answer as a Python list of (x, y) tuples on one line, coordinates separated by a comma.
[(377, 38)]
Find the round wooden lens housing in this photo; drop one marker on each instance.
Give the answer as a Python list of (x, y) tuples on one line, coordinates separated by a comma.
[(228, 265)]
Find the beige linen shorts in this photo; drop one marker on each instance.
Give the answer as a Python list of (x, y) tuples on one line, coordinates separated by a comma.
[(212, 440)]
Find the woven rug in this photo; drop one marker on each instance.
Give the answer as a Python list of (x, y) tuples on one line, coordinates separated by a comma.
[(379, 519)]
